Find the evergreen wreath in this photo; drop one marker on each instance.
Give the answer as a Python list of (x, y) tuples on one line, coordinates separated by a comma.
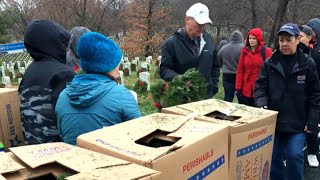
[(188, 87), (140, 86)]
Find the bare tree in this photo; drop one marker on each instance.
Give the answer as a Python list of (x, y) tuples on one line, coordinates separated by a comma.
[(278, 21)]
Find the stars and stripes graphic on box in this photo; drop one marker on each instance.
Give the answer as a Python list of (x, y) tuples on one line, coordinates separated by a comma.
[(253, 147), (208, 169)]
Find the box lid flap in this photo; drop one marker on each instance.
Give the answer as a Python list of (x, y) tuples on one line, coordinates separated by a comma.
[(73, 157), (132, 139), (129, 171), (244, 113), (121, 137), (7, 164)]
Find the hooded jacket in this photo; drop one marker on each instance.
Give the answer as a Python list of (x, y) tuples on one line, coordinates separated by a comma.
[(91, 102), (178, 56), (73, 59), (230, 53), (44, 79), (315, 52), (221, 44), (250, 63), (295, 96)]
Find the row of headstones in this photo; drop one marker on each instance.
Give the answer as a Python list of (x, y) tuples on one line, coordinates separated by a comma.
[(127, 65), (15, 57), (6, 80)]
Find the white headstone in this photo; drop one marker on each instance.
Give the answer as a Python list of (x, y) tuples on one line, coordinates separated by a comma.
[(135, 95), (127, 65), (159, 58), (149, 61), (3, 74), (6, 80), (145, 77), (126, 59), (19, 80), (138, 60), (22, 70), (121, 78), (4, 65), (19, 64), (8, 66), (11, 64), (135, 62), (145, 65), (12, 72)]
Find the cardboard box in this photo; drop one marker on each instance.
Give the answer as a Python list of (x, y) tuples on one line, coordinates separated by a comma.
[(10, 120), (251, 134), (55, 159), (177, 146)]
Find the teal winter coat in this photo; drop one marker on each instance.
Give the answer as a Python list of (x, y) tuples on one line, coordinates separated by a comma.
[(90, 102)]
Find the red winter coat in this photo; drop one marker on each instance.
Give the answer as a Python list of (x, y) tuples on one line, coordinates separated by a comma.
[(250, 63)]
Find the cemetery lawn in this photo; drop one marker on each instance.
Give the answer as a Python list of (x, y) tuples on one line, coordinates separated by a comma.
[(145, 100)]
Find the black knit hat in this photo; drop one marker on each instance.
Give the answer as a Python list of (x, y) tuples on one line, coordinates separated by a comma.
[(306, 29)]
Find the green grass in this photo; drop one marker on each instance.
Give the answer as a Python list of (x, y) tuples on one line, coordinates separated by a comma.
[(145, 100)]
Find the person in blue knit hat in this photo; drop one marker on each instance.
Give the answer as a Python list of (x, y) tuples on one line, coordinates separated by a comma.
[(94, 100)]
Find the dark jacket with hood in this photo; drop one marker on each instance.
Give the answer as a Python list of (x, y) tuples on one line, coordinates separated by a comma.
[(294, 92), (250, 63), (178, 54), (91, 102), (73, 59), (44, 79), (315, 52)]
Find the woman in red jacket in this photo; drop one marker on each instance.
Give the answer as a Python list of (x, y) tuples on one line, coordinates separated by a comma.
[(251, 59)]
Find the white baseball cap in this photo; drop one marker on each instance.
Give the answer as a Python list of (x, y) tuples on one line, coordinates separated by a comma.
[(200, 13)]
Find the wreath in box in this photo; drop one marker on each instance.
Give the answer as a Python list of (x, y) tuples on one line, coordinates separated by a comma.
[(186, 88), (126, 72), (140, 87)]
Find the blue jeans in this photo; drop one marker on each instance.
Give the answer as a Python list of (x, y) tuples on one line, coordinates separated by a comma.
[(288, 147)]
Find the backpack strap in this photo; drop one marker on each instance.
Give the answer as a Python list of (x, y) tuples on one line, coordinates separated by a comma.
[(263, 52)]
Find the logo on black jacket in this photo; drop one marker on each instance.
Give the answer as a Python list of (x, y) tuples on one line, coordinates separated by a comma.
[(301, 79)]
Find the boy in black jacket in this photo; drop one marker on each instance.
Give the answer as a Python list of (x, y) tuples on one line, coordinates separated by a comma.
[(289, 83), (46, 42)]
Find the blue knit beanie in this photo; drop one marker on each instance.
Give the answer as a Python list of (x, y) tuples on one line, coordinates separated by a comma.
[(98, 53)]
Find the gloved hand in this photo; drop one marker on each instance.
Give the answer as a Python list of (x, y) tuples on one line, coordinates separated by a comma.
[(238, 92)]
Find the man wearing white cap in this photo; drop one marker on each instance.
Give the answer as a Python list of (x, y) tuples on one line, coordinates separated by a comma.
[(191, 47)]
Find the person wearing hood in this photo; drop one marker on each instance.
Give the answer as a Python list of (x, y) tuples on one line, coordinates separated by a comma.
[(94, 100), (288, 83), (312, 139), (252, 56), (72, 55), (191, 47), (229, 56), (46, 42), (315, 52), (222, 43)]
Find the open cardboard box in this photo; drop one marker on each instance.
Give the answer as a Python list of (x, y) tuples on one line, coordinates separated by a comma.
[(10, 123), (251, 134), (177, 146), (51, 160)]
